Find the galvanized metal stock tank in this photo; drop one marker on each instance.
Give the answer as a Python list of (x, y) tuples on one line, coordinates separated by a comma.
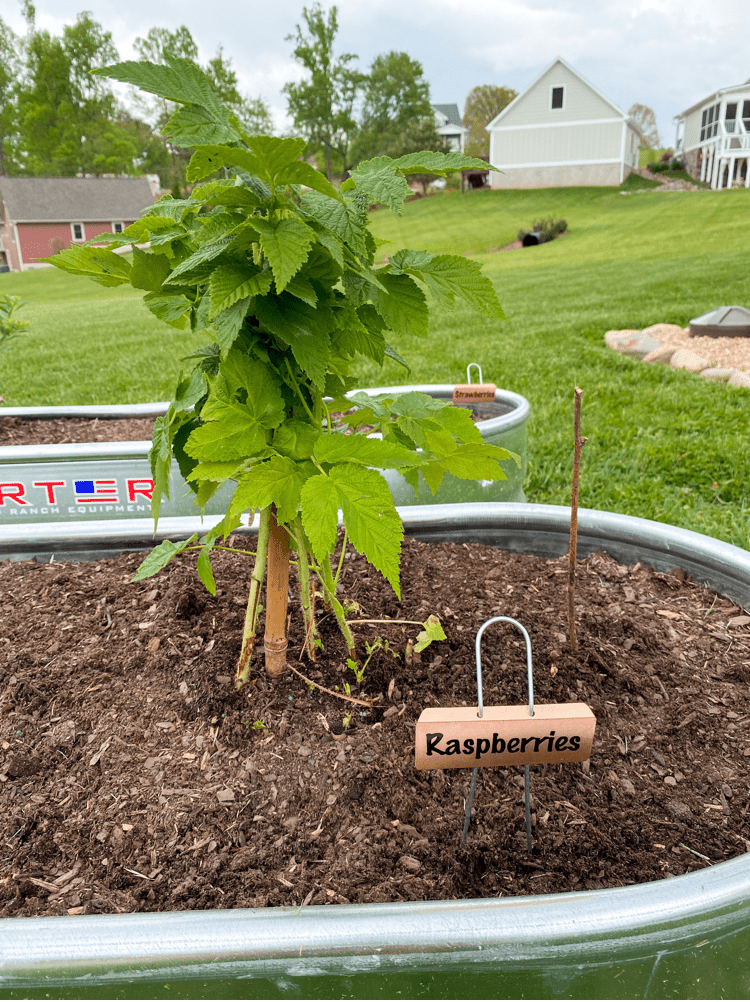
[(686, 937), (112, 480)]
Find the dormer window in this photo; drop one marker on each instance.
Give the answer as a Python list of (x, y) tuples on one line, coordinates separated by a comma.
[(557, 98)]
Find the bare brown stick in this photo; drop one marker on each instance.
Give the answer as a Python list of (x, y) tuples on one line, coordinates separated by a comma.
[(578, 446), (338, 695)]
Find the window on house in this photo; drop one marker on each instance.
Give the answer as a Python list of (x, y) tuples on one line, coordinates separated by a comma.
[(730, 118), (557, 98), (77, 229), (746, 115), (117, 227)]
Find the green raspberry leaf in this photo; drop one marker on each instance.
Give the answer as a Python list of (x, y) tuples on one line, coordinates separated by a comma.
[(278, 481), (104, 266), (286, 245), (320, 512), (432, 631), (230, 283), (160, 556)]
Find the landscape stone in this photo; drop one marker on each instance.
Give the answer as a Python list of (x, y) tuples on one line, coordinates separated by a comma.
[(739, 378), (684, 358), (636, 344), (661, 354), (718, 375), (663, 330), (613, 338)]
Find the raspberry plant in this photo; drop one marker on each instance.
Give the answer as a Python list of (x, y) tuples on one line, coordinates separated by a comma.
[(275, 266)]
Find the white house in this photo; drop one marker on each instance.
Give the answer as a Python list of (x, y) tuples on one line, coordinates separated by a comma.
[(448, 124), (561, 131), (713, 138)]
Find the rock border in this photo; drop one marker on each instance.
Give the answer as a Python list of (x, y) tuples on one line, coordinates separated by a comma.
[(645, 346)]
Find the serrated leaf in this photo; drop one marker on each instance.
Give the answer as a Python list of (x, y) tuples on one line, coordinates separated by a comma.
[(432, 631), (450, 275), (371, 519), (393, 354), (295, 439), (303, 329), (475, 462), (286, 244), (433, 162), (171, 310), (214, 241), (149, 270), (319, 498), (237, 435), (205, 572), (403, 306), (301, 172), (189, 391), (227, 325), (205, 491), (160, 556), (230, 283), (384, 185), (160, 459), (192, 125), (278, 481), (302, 289), (218, 472), (338, 448), (180, 80), (341, 218), (433, 474), (104, 266), (226, 193), (459, 422)]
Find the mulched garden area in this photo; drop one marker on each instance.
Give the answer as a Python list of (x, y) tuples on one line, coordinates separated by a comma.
[(59, 431), (134, 777)]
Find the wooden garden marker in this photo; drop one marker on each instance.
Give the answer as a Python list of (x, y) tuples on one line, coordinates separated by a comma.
[(474, 737), (473, 393)]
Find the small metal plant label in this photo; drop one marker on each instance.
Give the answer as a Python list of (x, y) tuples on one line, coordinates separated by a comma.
[(459, 738)]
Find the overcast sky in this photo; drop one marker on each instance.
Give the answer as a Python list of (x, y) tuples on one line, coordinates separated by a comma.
[(661, 53)]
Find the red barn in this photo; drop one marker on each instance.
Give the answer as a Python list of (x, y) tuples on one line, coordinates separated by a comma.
[(40, 216)]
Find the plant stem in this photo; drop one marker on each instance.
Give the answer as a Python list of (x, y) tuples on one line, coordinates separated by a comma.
[(251, 615), (277, 597), (299, 392), (307, 594), (397, 622), (329, 587), (344, 541), (578, 446), (338, 695)]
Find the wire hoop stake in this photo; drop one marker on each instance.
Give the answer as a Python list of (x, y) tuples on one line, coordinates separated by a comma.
[(530, 678)]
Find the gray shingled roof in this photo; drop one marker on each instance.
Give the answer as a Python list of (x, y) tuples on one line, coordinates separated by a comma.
[(74, 199), (450, 111)]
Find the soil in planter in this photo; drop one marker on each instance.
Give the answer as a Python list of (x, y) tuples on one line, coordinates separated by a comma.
[(134, 777), (59, 431)]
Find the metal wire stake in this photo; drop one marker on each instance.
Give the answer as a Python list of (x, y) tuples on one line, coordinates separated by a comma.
[(530, 678), (469, 367)]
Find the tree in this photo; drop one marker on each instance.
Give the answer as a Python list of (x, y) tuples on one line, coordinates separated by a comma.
[(253, 113), (645, 119), (322, 105), (66, 116), (10, 65), (397, 117), (482, 105)]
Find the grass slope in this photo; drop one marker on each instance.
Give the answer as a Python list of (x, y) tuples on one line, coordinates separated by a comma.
[(658, 439)]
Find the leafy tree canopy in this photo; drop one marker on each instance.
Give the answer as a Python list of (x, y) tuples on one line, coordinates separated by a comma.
[(482, 105), (645, 119)]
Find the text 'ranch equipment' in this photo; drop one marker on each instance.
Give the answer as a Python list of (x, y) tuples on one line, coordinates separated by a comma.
[(468, 737)]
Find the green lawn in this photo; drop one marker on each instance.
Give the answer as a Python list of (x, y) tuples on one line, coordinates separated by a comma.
[(658, 439)]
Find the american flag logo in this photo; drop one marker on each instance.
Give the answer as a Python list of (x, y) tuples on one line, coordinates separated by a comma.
[(93, 491)]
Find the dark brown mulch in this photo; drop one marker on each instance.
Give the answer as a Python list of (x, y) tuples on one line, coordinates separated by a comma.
[(134, 777), (58, 431)]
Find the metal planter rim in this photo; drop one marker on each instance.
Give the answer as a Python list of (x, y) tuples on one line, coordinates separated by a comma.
[(592, 927)]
